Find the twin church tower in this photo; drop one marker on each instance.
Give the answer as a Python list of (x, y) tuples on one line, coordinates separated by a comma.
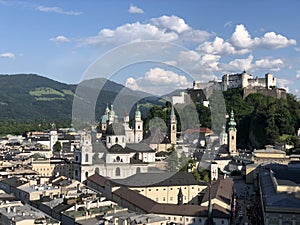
[(133, 134)]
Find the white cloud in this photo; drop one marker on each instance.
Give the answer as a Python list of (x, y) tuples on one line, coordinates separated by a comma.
[(283, 83), (188, 57), (57, 10), (238, 65), (172, 23), (298, 74), (165, 28), (266, 64), (135, 9), (60, 39), (158, 81), (242, 39), (132, 84), (218, 46), (8, 55)]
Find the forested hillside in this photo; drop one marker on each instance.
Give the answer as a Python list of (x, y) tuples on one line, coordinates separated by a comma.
[(260, 119), (32, 102)]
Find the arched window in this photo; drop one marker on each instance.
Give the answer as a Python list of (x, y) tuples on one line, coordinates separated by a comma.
[(173, 127), (86, 157), (232, 137), (76, 158), (97, 170), (138, 170), (117, 139), (76, 173), (123, 139), (118, 159), (86, 174), (118, 172)]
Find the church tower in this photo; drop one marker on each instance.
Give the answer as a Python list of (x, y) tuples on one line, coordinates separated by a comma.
[(232, 135), (104, 119), (180, 197), (173, 126), (86, 149), (138, 126), (223, 137), (111, 115), (214, 171)]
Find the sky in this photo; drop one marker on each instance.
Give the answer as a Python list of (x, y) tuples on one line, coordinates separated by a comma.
[(193, 40)]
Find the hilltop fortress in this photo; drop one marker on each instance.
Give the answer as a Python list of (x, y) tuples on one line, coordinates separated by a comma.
[(249, 84)]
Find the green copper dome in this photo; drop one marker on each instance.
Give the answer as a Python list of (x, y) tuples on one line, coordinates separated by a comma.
[(232, 123), (138, 112)]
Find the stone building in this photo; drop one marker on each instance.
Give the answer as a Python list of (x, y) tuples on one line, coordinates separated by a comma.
[(245, 80)]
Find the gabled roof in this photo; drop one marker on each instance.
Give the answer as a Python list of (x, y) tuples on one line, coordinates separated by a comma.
[(98, 179), (140, 201), (221, 190), (150, 206), (13, 182), (159, 179), (198, 130)]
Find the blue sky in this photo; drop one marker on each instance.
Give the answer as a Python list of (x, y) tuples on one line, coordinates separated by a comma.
[(61, 39)]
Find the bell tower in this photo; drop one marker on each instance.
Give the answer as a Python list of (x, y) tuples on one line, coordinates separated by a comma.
[(173, 126), (232, 135), (138, 125)]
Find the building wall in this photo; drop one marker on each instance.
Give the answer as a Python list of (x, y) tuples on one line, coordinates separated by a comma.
[(168, 194)]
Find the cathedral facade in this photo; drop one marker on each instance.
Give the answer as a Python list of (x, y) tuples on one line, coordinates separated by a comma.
[(118, 154)]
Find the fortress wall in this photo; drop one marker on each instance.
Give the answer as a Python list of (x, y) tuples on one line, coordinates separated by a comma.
[(275, 93)]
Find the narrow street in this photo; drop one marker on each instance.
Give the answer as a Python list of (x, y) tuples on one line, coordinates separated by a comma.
[(248, 208)]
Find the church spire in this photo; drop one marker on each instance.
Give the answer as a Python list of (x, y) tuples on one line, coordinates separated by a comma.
[(232, 122), (137, 111), (173, 126), (180, 197), (172, 115)]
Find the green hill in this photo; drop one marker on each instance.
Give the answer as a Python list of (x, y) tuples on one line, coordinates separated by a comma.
[(30, 101)]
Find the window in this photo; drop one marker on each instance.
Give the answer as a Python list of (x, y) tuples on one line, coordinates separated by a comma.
[(117, 139), (232, 137), (138, 170), (97, 170), (164, 199), (86, 157), (76, 158), (139, 127), (118, 159), (86, 174), (171, 198), (118, 172), (222, 221)]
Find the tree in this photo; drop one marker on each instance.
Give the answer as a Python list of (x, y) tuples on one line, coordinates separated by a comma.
[(57, 148), (172, 161)]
